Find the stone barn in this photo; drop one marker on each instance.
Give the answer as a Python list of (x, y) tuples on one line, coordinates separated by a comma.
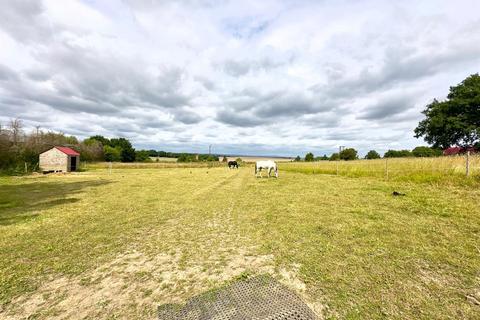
[(59, 159)]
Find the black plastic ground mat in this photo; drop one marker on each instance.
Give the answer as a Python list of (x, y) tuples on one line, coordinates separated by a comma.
[(257, 298)]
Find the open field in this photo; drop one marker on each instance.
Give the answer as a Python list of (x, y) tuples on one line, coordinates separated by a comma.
[(116, 245), (251, 159), (163, 159), (230, 158), (441, 169)]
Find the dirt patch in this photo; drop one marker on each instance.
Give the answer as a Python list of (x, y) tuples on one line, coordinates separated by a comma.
[(134, 284)]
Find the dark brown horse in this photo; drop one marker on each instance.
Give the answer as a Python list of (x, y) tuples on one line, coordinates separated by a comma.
[(232, 164)]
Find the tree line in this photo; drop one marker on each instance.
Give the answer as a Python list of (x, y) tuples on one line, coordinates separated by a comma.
[(19, 150), (352, 154)]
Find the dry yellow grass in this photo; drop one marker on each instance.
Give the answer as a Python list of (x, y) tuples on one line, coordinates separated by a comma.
[(115, 245), (446, 169), (252, 159)]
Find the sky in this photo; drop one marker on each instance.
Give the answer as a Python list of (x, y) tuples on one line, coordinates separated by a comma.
[(270, 77)]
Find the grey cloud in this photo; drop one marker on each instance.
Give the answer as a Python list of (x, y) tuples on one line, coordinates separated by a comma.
[(22, 20), (237, 68), (278, 104), (187, 116), (284, 105), (7, 74), (322, 120), (400, 65), (238, 119), (85, 81), (387, 107)]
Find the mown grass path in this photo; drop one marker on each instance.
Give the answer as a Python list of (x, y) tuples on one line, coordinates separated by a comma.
[(137, 238)]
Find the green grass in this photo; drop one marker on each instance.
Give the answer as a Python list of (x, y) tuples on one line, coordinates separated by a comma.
[(156, 236), (449, 170)]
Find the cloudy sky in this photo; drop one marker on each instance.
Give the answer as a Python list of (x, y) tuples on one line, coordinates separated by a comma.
[(277, 77)]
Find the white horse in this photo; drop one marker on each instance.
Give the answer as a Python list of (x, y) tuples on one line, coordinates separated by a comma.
[(268, 165)]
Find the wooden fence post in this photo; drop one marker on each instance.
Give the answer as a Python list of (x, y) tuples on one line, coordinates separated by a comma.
[(467, 167)]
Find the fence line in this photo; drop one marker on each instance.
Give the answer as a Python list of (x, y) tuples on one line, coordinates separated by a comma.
[(393, 168)]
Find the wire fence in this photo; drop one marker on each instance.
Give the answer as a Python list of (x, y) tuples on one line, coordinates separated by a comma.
[(429, 169)]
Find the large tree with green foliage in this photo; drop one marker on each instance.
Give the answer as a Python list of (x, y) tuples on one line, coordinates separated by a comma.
[(456, 120), (309, 157), (425, 152), (334, 157), (398, 154), (112, 154), (372, 154), (348, 154)]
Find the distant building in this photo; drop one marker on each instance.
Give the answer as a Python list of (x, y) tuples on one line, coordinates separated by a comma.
[(457, 150), (59, 159)]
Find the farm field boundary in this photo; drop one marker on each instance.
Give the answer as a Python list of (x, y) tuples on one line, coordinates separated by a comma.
[(441, 169)]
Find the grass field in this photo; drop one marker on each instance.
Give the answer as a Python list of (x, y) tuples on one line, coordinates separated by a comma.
[(434, 170), (116, 245)]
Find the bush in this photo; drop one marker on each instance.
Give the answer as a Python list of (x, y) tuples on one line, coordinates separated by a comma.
[(185, 157), (142, 156), (309, 157), (397, 154), (372, 154), (348, 154), (334, 157), (426, 152), (297, 159), (322, 158), (112, 154)]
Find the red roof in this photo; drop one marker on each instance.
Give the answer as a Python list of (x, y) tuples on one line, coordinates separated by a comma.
[(68, 151), (457, 150)]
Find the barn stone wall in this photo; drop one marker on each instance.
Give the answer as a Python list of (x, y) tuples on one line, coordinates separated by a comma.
[(55, 160)]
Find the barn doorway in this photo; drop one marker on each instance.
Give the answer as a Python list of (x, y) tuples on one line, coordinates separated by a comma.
[(73, 163)]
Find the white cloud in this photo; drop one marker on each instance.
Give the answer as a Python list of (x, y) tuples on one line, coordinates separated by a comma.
[(271, 77)]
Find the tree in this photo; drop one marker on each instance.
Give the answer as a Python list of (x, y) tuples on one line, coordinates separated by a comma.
[(16, 131), (309, 157), (423, 151), (91, 150), (397, 154), (142, 156), (102, 139), (127, 153), (372, 154), (225, 159), (297, 159), (185, 158), (112, 154), (152, 153), (334, 157), (348, 154), (212, 157), (456, 120)]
